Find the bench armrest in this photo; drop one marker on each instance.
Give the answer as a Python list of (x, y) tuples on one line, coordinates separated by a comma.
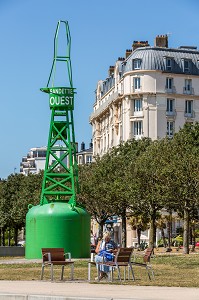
[(68, 254), (48, 255)]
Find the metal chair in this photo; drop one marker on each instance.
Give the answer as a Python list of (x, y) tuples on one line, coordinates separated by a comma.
[(122, 259), (146, 262)]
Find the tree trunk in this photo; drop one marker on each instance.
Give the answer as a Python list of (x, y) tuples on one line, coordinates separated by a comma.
[(124, 228), (3, 236), (186, 232), (193, 241), (139, 236), (169, 229), (15, 235), (190, 234), (154, 235), (163, 238), (152, 231), (100, 233), (9, 236)]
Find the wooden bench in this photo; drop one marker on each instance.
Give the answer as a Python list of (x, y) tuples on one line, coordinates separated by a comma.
[(146, 262), (56, 256), (121, 259)]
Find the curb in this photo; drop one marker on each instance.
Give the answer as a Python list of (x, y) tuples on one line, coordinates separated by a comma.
[(45, 297)]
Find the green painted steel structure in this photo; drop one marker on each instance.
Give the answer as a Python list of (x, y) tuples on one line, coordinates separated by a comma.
[(58, 221)]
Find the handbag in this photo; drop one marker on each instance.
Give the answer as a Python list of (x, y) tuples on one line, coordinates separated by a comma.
[(109, 256)]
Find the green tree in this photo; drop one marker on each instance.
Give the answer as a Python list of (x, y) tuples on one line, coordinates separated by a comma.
[(120, 163), (185, 178), (151, 173), (139, 223), (15, 194), (94, 192), (161, 224), (107, 185), (10, 196)]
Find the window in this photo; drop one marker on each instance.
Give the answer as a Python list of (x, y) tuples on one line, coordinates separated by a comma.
[(136, 81), (189, 107), (137, 105), (136, 64), (188, 85), (168, 64), (137, 128), (169, 83), (41, 153), (170, 128), (170, 105), (88, 159), (186, 65)]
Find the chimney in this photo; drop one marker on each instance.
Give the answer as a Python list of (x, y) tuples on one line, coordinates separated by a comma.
[(76, 146), (82, 146), (91, 144), (138, 44), (128, 52), (161, 41), (121, 59), (111, 70)]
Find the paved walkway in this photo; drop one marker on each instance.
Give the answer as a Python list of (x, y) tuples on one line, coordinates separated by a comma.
[(78, 290), (85, 290)]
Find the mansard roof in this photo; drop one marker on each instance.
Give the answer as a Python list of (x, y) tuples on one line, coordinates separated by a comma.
[(154, 58)]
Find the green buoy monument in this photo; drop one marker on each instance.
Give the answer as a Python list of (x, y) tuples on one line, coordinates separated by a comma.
[(58, 221)]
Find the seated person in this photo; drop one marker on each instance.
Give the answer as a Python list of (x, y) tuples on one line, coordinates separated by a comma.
[(106, 245)]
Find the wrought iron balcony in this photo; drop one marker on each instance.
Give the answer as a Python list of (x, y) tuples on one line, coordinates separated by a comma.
[(190, 115), (188, 90), (171, 113)]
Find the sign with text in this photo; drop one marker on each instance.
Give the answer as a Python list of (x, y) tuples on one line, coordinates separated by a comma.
[(61, 98)]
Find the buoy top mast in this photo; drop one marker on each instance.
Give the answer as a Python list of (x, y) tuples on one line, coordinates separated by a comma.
[(60, 181)]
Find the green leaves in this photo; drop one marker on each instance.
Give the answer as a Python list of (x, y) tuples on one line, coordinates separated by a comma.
[(15, 194)]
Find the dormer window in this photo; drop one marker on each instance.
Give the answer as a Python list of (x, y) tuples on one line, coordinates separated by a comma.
[(168, 64), (186, 65), (136, 64)]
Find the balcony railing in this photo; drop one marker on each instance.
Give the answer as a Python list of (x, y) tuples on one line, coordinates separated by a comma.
[(136, 136), (190, 115), (136, 90), (171, 113), (188, 90), (105, 104), (28, 165), (139, 113), (171, 90)]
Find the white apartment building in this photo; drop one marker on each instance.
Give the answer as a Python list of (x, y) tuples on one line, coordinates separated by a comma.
[(85, 155), (35, 160), (151, 93)]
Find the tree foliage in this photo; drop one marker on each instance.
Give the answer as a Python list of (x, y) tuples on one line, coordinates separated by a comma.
[(138, 179), (15, 194)]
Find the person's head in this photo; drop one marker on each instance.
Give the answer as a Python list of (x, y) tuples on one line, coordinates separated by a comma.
[(106, 236)]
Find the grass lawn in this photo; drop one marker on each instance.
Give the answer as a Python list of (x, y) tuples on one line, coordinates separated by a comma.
[(170, 270)]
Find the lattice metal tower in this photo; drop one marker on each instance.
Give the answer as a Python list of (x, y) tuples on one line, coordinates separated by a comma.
[(59, 221), (61, 177)]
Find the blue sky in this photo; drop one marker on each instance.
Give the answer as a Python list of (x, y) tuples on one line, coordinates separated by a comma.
[(101, 32)]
